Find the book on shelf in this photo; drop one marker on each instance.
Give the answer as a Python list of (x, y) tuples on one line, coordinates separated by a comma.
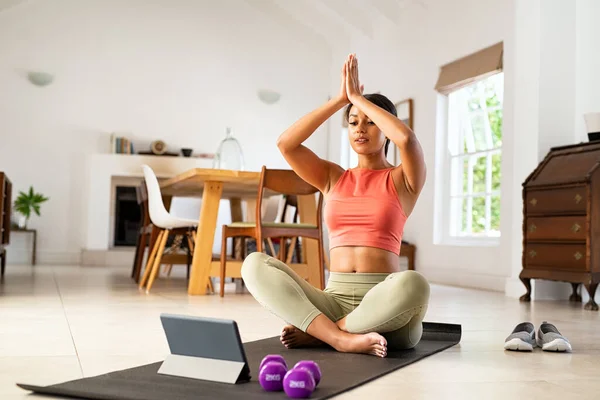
[(120, 145)]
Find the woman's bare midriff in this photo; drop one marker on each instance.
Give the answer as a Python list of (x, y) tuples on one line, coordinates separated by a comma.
[(363, 260)]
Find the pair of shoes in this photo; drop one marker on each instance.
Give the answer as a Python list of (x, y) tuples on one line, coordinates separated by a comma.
[(523, 338)]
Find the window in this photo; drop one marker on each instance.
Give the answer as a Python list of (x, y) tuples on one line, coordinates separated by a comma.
[(474, 153)]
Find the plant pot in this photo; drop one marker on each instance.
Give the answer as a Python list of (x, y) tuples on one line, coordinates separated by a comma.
[(22, 222), (187, 152)]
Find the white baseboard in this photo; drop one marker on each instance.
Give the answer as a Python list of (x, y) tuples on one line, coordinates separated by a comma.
[(463, 278), (514, 288), (21, 256)]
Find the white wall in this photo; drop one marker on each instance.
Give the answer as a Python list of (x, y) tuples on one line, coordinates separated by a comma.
[(404, 62), (180, 71), (525, 87), (587, 39)]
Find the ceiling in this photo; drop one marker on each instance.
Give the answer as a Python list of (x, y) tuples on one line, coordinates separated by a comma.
[(336, 20)]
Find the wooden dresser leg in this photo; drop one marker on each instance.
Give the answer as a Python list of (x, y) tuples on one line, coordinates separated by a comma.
[(591, 305), (527, 283), (575, 297)]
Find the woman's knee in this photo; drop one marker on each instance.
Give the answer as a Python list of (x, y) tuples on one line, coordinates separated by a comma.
[(254, 265), (411, 282)]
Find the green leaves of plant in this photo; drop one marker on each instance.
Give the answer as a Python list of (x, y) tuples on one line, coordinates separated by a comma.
[(26, 202)]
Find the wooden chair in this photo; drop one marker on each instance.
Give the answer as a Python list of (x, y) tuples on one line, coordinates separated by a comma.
[(409, 250), (295, 245), (168, 225), (285, 182), (147, 235)]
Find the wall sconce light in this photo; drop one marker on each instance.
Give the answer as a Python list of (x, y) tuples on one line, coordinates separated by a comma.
[(40, 78), (268, 96)]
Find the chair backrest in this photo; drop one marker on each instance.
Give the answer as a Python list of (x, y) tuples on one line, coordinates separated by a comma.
[(291, 200), (156, 208), (285, 181)]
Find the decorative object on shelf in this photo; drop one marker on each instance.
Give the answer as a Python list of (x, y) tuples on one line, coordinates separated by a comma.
[(40, 79), (268, 96), (158, 147), (592, 122), (187, 152), (229, 154), (26, 203)]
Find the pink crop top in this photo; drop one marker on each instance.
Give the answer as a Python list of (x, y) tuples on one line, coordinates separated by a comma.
[(363, 209)]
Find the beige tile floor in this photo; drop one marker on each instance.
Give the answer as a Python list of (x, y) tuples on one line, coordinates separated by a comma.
[(63, 323)]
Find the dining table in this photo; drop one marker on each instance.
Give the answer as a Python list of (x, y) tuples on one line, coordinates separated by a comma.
[(212, 185)]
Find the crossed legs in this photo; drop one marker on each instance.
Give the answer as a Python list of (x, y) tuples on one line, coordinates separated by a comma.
[(391, 311)]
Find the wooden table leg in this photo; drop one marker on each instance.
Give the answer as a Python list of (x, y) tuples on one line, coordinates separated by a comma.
[(205, 237), (250, 210), (307, 211)]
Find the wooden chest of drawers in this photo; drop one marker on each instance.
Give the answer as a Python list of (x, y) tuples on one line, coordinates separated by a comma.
[(5, 212), (561, 220)]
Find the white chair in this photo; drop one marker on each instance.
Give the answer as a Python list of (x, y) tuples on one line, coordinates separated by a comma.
[(168, 225)]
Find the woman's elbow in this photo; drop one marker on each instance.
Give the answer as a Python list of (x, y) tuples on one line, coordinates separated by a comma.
[(283, 145)]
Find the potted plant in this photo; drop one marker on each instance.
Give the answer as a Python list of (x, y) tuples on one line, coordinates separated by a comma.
[(26, 203)]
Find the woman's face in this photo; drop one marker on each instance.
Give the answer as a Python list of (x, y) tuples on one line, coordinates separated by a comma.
[(365, 137)]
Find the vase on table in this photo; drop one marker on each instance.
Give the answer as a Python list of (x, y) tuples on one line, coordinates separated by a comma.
[(229, 154)]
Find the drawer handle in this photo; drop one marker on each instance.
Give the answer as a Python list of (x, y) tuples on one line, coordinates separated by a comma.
[(532, 253), (533, 201), (532, 228), (578, 198), (577, 255), (576, 227)]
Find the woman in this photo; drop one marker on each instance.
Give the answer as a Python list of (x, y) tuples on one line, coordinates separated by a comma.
[(368, 305)]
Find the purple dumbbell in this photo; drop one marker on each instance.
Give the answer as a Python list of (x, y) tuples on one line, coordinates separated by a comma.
[(271, 376), (313, 367), (272, 357), (299, 383)]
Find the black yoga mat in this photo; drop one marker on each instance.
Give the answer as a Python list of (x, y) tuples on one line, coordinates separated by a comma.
[(341, 372)]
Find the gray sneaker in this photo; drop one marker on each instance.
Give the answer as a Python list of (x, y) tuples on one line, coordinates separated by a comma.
[(522, 338), (550, 339)]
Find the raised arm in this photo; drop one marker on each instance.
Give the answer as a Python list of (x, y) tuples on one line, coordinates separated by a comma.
[(414, 170), (304, 162)]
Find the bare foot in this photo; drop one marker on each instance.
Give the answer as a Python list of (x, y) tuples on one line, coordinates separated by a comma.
[(369, 343), (292, 337)]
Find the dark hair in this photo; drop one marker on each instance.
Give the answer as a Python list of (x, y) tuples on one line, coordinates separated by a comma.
[(381, 101)]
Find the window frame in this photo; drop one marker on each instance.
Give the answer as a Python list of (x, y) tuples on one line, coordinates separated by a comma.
[(450, 158)]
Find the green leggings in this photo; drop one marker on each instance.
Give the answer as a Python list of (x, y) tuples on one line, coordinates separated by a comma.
[(393, 305)]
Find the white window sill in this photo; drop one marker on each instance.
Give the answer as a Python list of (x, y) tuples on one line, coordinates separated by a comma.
[(471, 242)]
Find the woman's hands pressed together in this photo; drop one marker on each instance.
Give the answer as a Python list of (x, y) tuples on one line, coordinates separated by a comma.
[(350, 86), (354, 89)]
